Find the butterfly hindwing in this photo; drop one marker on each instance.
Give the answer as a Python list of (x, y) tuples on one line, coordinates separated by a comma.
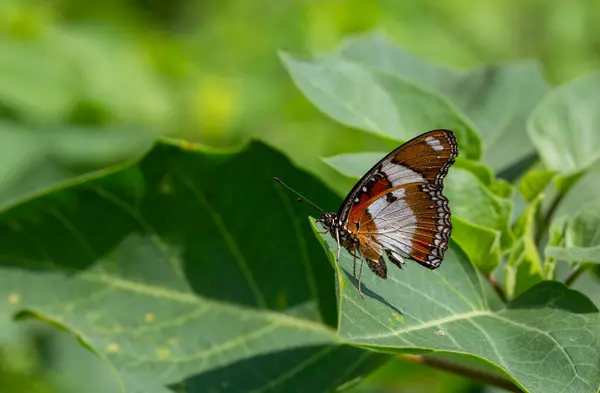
[(409, 222)]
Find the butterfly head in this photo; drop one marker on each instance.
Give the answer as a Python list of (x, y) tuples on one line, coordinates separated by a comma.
[(333, 225), (329, 221)]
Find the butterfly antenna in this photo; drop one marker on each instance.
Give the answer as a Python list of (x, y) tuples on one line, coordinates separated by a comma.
[(301, 198)]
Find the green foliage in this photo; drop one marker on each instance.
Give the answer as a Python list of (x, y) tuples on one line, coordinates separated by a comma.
[(160, 265), (563, 127), (579, 236), (515, 88), (380, 102), (415, 310), (523, 266), (178, 267), (534, 183), (482, 209)]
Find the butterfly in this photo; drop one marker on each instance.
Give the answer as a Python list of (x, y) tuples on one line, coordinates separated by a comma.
[(397, 208)]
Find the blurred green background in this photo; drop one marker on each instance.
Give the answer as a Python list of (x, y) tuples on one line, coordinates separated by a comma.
[(79, 79)]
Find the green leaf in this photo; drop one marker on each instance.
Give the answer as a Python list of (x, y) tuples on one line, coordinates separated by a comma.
[(315, 368), (482, 244), (581, 237), (334, 86), (502, 188), (382, 103), (534, 183), (575, 254), (483, 172), (47, 79), (474, 203), (173, 273), (555, 238), (586, 189), (544, 340), (485, 215), (498, 99), (113, 77), (564, 126), (35, 82), (32, 160), (564, 183), (523, 267)]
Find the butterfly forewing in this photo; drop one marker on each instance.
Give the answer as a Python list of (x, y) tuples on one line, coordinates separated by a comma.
[(424, 159), (430, 155), (398, 207)]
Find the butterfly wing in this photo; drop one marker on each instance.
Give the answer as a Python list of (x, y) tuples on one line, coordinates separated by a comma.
[(409, 221), (398, 206), (424, 159)]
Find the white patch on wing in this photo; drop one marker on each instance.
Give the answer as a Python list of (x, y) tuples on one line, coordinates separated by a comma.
[(399, 193), (377, 206), (398, 174), (434, 143), (395, 222)]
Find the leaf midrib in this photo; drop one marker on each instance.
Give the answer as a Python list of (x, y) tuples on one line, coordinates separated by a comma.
[(469, 317), (191, 298)]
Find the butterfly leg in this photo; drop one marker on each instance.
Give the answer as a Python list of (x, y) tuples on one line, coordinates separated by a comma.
[(354, 264), (362, 262), (339, 249)]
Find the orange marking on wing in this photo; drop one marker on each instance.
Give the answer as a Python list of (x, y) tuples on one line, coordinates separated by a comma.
[(368, 247), (370, 250), (380, 187), (412, 197), (363, 199), (419, 255)]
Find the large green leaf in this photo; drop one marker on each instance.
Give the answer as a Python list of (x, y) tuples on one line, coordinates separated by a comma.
[(581, 236), (498, 99), (564, 126), (33, 160), (484, 215), (379, 102), (546, 340), (183, 268)]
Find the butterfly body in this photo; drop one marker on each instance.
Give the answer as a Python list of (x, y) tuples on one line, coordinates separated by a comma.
[(397, 208)]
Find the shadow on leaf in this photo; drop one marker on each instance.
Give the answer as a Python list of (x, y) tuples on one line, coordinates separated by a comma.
[(367, 292), (318, 368)]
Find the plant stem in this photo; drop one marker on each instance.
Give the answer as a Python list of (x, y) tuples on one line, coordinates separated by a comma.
[(497, 288), (577, 271), (454, 368), (548, 218)]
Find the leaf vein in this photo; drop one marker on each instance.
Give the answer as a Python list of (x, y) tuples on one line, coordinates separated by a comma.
[(230, 240)]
